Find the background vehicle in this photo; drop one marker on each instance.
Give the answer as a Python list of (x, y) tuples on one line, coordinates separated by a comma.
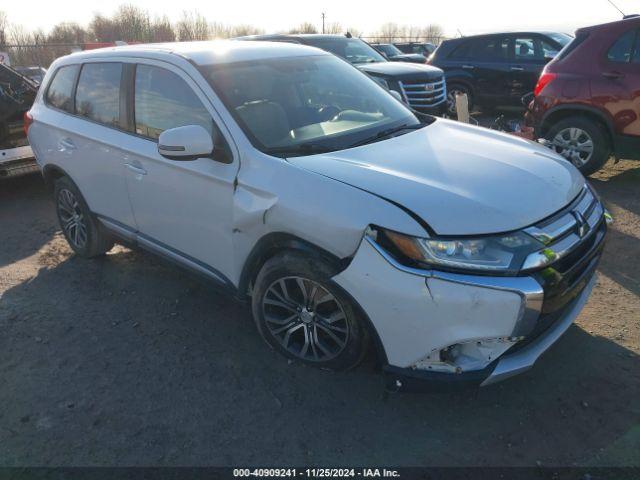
[(393, 53), (33, 73), (496, 69), (17, 94), (587, 100), (422, 87), (422, 48)]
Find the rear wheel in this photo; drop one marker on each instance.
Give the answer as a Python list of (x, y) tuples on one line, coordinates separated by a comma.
[(304, 315), (581, 141), (81, 229)]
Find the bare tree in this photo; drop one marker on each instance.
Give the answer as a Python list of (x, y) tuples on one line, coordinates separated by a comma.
[(162, 30), (4, 24), (133, 24), (333, 28), (305, 27), (67, 33), (104, 29), (192, 26)]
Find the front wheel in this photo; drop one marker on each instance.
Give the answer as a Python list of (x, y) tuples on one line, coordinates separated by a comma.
[(581, 141), (305, 316)]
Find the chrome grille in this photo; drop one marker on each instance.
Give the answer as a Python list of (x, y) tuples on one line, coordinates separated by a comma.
[(565, 231), (424, 94)]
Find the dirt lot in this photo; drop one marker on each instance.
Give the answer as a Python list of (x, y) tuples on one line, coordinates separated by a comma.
[(128, 361)]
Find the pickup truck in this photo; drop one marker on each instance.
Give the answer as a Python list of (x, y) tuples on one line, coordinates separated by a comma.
[(17, 94)]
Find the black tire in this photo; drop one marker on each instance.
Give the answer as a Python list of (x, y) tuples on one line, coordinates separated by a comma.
[(315, 271), (71, 208), (457, 87), (601, 145)]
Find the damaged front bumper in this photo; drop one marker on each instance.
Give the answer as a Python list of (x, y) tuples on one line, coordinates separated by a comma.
[(443, 330)]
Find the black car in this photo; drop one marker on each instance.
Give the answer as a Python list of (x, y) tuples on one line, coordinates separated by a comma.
[(421, 48), (496, 69), (422, 87), (394, 54)]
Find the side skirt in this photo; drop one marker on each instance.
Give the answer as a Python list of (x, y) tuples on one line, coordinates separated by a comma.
[(134, 238)]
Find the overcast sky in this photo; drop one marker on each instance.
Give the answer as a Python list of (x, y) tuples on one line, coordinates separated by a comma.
[(469, 16)]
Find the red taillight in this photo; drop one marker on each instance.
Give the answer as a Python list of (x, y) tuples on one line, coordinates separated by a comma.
[(28, 120), (545, 79)]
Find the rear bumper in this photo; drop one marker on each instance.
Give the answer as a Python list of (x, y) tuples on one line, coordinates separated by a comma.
[(508, 365)]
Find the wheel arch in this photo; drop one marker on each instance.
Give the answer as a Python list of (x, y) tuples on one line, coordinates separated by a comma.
[(275, 243), (558, 114), (51, 173)]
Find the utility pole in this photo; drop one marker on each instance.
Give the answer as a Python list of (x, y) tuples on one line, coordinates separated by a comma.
[(323, 15)]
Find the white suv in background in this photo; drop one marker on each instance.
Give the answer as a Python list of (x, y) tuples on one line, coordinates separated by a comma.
[(287, 176)]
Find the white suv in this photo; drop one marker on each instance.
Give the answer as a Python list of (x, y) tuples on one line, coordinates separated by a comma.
[(284, 174)]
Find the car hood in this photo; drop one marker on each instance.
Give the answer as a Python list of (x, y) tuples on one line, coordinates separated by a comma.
[(460, 179), (401, 70)]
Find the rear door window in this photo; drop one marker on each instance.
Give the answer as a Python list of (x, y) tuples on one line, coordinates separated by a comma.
[(622, 49), (98, 93), (163, 100), (60, 91), (491, 49)]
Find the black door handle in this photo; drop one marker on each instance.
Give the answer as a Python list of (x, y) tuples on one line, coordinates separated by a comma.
[(612, 75)]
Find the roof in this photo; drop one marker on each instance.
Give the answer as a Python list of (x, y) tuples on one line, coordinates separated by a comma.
[(207, 53)]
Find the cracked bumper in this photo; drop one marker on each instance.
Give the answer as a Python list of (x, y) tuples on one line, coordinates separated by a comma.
[(417, 313)]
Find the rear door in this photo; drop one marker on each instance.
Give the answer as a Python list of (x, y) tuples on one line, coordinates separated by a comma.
[(84, 135), (490, 67), (618, 84)]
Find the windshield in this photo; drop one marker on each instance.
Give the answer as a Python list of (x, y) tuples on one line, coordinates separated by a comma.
[(562, 38), (353, 50), (390, 50), (303, 105)]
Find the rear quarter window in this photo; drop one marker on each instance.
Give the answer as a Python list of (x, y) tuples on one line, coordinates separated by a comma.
[(98, 93), (60, 91)]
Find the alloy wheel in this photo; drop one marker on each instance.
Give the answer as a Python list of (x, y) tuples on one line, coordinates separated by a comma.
[(307, 320), (574, 144), (72, 219)]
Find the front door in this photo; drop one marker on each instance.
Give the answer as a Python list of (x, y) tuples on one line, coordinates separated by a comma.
[(490, 69), (182, 208)]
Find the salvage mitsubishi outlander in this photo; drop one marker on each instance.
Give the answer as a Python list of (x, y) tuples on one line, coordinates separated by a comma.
[(298, 183)]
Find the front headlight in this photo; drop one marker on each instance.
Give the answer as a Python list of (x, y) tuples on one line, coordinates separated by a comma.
[(505, 254)]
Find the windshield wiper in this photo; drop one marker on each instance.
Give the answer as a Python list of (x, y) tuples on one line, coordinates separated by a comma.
[(385, 133), (298, 150)]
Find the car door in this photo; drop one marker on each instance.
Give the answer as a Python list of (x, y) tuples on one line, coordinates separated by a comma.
[(528, 55), (616, 85), (183, 209), (490, 66), (88, 143)]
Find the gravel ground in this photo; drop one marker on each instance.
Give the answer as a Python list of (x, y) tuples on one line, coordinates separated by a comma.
[(128, 361)]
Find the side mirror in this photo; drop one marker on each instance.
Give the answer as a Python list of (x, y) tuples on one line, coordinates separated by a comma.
[(185, 143)]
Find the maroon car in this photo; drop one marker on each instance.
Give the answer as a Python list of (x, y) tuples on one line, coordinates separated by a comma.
[(587, 100)]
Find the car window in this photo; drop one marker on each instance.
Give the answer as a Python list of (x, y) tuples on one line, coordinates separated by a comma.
[(636, 54), (622, 49), (461, 52), (163, 100), (491, 49), (533, 49), (60, 91), (98, 92), (353, 50)]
